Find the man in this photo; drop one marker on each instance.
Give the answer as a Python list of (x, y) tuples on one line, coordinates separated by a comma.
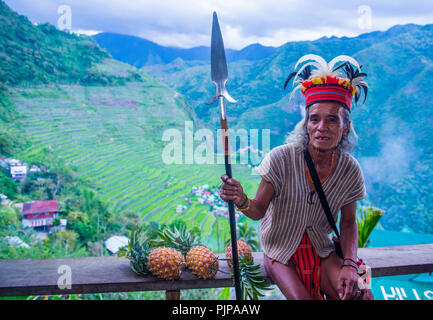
[(298, 254)]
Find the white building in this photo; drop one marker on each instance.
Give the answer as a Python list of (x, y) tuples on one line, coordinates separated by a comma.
[(3, 199), (34, 169), (180, 209), (114, 243), (13, 162), (18, 173)]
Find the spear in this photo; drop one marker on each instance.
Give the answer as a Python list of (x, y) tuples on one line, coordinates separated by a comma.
[(219, 78)]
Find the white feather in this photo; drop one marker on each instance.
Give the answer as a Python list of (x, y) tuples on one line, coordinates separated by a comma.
[(358, 81), (343, 58), (293, 91), (317, 65), (314, 57)]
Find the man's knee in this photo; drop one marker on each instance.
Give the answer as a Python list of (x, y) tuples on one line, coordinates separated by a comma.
[(286, 278)]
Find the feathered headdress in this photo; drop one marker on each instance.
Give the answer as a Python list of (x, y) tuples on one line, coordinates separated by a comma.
[(326, 83)]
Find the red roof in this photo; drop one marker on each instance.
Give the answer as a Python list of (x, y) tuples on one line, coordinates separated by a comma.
[(40, 207)]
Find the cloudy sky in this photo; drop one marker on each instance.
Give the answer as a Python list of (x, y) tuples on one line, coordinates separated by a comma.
[(187, 23)]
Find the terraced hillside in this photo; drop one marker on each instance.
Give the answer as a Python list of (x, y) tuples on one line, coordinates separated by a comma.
[(112, 136)]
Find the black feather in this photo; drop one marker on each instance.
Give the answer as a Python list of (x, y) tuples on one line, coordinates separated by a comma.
[(304, 75), (340, 66), (288, 79), (365, 92), (358, 92)]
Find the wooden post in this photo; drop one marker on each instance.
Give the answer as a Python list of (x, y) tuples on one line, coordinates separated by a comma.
[(172, 295)]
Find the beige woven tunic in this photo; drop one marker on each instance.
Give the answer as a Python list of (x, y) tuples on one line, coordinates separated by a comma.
[(289, 214)]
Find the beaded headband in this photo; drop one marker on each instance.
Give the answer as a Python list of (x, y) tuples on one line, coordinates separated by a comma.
[(326, 83)]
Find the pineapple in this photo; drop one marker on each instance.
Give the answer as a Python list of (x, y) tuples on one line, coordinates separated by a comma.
[(243, 250), (137, 251), (199, 259), (166, 263), (202, 262), (178, 238)]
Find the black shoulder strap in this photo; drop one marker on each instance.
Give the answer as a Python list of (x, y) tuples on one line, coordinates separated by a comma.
[(320, 192)]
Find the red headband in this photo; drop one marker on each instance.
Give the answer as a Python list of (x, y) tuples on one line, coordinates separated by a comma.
[(327, 89)]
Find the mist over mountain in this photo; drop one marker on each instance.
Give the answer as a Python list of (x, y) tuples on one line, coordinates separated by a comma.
[(141, 52)]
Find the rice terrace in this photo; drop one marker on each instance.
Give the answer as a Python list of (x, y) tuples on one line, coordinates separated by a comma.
[(112, 137)]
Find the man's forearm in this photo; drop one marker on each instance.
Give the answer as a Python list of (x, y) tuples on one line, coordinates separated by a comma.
[(349, 240), (255, 211)]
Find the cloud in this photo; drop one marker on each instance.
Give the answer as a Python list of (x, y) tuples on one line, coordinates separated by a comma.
[(270, 22), (397, 155)]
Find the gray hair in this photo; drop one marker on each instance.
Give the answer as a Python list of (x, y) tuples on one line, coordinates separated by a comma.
[(300, 134)]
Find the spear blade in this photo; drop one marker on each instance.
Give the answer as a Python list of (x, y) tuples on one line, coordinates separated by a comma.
[(219, 73), (218, 56)]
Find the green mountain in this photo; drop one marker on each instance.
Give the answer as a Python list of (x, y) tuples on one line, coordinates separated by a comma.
[(43, 54), (140, 52), (100, 121), (394, 141)]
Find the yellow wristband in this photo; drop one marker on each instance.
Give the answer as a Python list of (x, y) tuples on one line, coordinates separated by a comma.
[(247, 207)]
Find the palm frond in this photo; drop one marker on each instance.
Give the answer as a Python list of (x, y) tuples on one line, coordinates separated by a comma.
[(367, 219)]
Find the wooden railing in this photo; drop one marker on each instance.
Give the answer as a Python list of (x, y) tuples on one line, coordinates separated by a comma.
[(23, 277)]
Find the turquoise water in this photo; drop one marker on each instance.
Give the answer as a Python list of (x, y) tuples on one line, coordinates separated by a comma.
[(410, 287)]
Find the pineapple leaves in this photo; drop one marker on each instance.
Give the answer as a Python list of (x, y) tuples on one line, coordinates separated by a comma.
[(177, 237), (137, 251), (252, 280)]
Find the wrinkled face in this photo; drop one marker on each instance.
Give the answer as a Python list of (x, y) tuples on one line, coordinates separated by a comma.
[(325, 125)]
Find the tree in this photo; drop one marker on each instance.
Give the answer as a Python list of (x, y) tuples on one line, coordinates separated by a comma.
[(67, 238), (9, 216), (248, 234), (77, 217), (8, 186)]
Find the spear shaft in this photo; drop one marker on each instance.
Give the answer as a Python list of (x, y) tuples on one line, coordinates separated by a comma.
[(219, 78), (232, 220)]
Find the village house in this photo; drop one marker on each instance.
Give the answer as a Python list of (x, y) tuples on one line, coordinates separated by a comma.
[(199, 190), (4, 200), (34, 168), (18, 170), (40, 214), (180, 209), (18, 173), (219, 211), (114, 243), (13, 162)]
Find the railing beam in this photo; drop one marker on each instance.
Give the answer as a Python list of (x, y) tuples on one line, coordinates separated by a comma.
[(23, 277)]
